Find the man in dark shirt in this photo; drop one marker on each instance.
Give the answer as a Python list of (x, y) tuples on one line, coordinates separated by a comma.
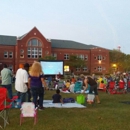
[(57, 97), (93, 86)]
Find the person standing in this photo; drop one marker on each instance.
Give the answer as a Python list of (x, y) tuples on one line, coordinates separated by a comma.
[(93, 87), (37, 84), (6, 75), (21, 82)]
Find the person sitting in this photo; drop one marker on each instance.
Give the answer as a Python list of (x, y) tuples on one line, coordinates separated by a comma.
[(57, 98), (102, 85), (72, 87), (67, 84)]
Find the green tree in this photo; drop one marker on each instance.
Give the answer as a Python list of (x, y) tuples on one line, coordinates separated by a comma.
[(75, 61), (120, 59)]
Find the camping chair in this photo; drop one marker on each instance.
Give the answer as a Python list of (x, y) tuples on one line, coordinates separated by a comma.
[(60, 84), (4, 107), (111, 88), (121, 88), (28, 110), (128, 86), (77, 87)]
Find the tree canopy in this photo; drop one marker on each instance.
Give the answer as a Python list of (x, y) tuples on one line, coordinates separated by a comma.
[(122, 60)]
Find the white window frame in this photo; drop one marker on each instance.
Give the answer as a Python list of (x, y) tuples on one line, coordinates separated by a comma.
[(6, 54), (81, 56), (99, 57), (66, 56), (54, 55), (99, 68), (78, 69), (10, 54), (34, 50), (86, 57), (85, 69)]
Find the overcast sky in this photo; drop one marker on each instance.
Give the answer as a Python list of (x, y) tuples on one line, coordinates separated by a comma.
[(104, 23)]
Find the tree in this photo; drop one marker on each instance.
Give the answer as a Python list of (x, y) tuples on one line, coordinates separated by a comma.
[(75, 62), (120, 59)]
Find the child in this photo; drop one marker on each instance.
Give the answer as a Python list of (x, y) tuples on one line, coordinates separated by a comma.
[(57, 97)]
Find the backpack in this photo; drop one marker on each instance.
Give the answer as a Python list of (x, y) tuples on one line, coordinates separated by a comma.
[(68, 100)]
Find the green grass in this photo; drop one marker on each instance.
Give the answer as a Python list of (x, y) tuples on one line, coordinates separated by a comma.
[(109, 115)]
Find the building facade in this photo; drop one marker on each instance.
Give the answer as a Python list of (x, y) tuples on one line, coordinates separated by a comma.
[(15, 51)]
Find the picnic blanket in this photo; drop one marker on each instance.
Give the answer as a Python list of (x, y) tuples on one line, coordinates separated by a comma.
[(75, 92), (48, 103), (125, 102)]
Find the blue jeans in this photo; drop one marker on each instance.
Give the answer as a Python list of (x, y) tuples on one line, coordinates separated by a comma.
[(29, 95), (9, 89), (21, 96), (37, 92)]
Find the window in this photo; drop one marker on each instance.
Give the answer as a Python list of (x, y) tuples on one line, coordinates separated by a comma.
[(10, 54), (86, 57), (66, 57), (99, 57), (81, 57), (54, 55), (5, 54), (78, 69), (85, 69), (99, 68), (103, 58), (34, 42), (34, 49)]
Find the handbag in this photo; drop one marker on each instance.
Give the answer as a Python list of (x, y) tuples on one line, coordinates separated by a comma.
[(80, 99)]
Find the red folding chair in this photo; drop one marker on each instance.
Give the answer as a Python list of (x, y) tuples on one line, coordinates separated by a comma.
[(128, 86), (111, 87), (4, 107), (121, 88)]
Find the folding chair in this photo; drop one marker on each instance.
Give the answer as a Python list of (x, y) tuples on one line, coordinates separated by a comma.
[(121, 88), (128, 86), (77, 87), (28, 110), (90, 98), (4, 107), (111, 88), (60, 84)]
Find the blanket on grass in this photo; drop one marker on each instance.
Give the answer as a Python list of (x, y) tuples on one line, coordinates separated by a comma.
[(75, 92), (48, 103), (125, 102)]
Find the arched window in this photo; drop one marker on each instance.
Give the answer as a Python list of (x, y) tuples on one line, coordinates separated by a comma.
[(34, 48)]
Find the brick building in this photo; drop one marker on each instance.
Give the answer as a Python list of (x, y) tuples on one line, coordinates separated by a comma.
[(33, 45)]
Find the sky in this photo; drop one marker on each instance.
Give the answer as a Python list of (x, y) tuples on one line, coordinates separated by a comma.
[(104, 23)]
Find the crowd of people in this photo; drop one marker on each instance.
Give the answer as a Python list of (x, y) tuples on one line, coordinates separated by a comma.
[(31, 84)]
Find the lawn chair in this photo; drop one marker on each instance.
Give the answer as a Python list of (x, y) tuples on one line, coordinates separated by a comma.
[(28, 110), (121, 88), (111, 88), (128, 86), (5, 105), (60, 85), (77, 87)]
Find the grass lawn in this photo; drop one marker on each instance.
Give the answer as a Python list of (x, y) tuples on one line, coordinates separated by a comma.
[(109, 115)]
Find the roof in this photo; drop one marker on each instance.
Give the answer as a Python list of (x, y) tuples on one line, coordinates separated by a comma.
[(66, 44), (8, 40), (20, 37)]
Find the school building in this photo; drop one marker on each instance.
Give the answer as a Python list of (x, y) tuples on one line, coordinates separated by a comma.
[(15, 51)]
